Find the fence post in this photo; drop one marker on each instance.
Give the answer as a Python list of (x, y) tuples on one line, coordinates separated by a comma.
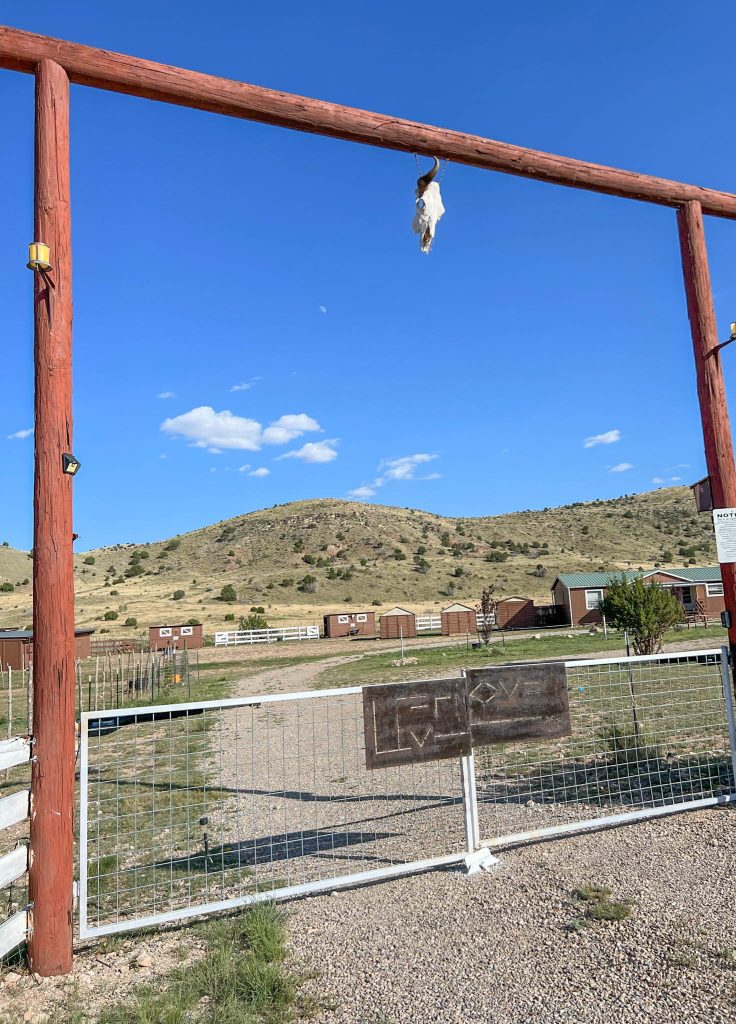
[(51, 855), (470, 802), (728, 697)]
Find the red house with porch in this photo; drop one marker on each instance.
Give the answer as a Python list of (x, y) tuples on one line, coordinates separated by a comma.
[(699, 591)]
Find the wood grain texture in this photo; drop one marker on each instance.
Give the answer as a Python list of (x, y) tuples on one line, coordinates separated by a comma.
[(102, 69), (709, 373), (52, 780)]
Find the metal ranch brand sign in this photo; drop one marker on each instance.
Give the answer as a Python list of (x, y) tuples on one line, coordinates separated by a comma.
[(440, 718)]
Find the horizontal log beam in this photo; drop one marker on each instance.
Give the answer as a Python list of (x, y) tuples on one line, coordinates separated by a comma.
[(101, 69)]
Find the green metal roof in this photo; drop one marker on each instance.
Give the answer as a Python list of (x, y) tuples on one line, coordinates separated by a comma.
[(575, 580)]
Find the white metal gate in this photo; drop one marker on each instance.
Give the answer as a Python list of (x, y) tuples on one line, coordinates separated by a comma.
[(187, 809)]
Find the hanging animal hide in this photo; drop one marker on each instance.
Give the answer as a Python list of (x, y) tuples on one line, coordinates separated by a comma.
[(429, 209)]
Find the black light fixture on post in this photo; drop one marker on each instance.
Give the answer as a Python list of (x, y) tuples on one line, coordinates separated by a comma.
[(69, 465)]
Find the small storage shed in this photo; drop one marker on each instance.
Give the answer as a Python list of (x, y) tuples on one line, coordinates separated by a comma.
[(16, 647), (458, 618), (398, 622), (350, 624), (180, 637), (515, 613)]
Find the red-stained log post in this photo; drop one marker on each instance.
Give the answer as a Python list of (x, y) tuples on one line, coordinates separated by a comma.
[(51, 858), (711, 392), (118, 72)]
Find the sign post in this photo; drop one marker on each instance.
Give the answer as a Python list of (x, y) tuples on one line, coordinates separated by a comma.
[(711, 391)]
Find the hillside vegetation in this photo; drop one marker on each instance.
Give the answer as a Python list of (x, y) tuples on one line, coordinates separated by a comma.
[(301, 559)]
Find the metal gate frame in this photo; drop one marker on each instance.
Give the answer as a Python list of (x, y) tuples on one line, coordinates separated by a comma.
[(477, 849)]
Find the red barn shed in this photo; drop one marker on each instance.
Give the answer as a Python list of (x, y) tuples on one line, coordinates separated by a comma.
[(515, 613), (458, 618), (179, 637), (16, 647), (350, 624), (398, 622)]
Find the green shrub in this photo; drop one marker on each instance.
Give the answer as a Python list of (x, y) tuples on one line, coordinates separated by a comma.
[(178, 595), (110, 616), (90, 560), (228, 593), (6, 588), (646, 610), (131, 621), (230, 617), (253, 621), (193, 622)]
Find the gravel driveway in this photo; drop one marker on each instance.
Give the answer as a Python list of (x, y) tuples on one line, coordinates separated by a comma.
[(496, 948)]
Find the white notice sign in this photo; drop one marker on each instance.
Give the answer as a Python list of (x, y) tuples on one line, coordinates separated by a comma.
[(724, 521)]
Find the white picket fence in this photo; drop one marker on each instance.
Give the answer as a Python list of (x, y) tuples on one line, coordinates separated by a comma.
[(265, 636)]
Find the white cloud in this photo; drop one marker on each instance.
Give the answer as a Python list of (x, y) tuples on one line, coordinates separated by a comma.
[(680, 465), (205, 428), (20, 435), (675, 479), (621, 467), (609, 437), (166, 394), (323, 309), (163, 456), (314, 451), (286, 428), (244, 469), (262, 471), (405, 467), (245, 385), (658, 480)]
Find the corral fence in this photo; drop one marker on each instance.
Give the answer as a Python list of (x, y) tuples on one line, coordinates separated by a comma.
[(101, 645), (265, 636), (433, 623), (192, 808)]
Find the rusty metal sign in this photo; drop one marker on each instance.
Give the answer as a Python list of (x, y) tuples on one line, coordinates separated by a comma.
[(518, 702), (422, 721), (440, 718)]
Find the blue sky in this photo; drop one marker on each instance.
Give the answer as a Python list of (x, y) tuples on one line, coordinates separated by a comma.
[(247, 296)]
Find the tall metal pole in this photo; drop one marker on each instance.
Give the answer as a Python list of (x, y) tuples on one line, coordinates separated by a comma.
[(711, 392), (52, 787)]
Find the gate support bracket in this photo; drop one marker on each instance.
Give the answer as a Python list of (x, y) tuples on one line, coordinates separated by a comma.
[(479, 860)]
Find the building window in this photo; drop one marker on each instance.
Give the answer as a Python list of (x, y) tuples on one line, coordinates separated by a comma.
[(361, 618), (186, 631), (593, 600), (343, 619), (165, 631), (714, 589)]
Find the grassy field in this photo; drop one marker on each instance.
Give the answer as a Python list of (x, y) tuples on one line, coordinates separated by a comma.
[(383, 668), (363, 556)]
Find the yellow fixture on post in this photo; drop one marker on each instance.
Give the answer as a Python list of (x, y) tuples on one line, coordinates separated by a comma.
[(39, 257)]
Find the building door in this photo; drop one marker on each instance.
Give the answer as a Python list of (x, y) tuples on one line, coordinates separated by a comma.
[(687, 598)]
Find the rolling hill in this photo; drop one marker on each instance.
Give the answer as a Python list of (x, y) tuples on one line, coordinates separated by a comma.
[(301, 559)]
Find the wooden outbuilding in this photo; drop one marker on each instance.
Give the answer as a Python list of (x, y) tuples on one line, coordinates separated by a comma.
[(350, 624), (515, 613), (458, 618), (16, 647), (181, 638), (398, 622)]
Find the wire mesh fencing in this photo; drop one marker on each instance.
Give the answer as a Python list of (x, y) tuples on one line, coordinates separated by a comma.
[(648, 733), (191, 808)]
